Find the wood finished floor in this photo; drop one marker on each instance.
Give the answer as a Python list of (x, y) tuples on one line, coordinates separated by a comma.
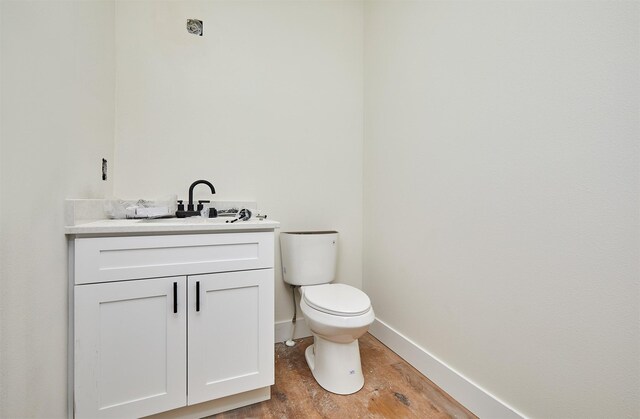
[(392, 389)]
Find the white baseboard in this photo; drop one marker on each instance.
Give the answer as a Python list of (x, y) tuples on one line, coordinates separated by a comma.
[(283, 330), (470, 395)]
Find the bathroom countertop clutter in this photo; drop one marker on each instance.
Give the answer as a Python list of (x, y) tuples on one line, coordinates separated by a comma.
[(87, 217)]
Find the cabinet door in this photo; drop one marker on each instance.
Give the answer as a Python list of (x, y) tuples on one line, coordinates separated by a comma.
[(230, 333), (130, 347)]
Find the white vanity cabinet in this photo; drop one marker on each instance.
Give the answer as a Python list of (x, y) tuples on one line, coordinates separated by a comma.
[(227, 332), (130, 348), (163, 322)]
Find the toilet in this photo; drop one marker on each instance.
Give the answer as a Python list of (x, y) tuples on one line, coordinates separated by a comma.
[(337, 314)]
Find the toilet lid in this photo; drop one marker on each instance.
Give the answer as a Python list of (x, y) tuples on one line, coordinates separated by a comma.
[(338, 299)]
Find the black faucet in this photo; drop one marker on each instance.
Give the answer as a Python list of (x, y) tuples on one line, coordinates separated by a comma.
[(191, 211)]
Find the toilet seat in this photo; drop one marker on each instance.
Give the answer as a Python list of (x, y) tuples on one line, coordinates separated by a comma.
[(337, 299)]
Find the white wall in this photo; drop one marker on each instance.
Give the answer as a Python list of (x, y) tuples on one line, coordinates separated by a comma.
[(508, 132), (267, 105), (57, 94)]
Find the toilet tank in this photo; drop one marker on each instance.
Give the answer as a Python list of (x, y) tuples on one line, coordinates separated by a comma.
[(309, 257)]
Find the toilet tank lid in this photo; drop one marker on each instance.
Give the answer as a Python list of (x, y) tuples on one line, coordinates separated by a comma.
[(337, 299)]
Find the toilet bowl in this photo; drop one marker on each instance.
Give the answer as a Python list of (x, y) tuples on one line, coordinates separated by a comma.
[(337, 314), (334, 357)]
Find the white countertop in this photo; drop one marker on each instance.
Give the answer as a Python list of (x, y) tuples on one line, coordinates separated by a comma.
[(167, 225)]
